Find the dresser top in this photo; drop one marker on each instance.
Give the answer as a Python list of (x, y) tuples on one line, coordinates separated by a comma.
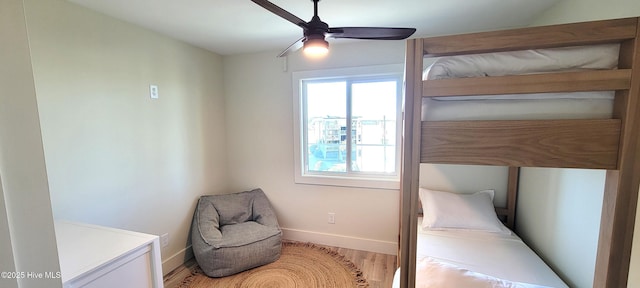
[(85, 247)]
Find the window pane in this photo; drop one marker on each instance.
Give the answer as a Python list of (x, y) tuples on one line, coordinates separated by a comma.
[(374, 125), (326, 126), (376, 158)]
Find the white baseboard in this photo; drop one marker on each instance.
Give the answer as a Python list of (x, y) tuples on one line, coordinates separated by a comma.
[(385, 247), (377, 246), (176, 260)]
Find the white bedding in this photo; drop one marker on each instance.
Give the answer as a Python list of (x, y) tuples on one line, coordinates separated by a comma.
[(525, 62), (596, 57), (493, 258)]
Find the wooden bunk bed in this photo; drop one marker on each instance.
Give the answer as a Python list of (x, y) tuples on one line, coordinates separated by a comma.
[(609, 144)]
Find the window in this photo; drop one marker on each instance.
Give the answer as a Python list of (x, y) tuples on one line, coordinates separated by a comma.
[(347, 126)]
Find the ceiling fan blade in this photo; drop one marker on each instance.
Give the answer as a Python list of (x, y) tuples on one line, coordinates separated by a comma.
[(281, 12), (372, 33), (293, 47)]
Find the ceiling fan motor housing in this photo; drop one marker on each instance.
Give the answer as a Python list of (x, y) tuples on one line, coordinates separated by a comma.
[(316, 28)]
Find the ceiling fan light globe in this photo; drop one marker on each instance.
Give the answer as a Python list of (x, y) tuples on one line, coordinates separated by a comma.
[(316, 48)]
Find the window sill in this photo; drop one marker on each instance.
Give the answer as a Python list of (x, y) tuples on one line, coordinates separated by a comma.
[(372, 183)]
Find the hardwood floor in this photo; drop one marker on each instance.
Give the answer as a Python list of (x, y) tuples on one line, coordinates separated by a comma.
[(377, 268), (174, 278)]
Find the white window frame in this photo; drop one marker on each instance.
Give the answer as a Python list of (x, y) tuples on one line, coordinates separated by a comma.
[(363, 180)]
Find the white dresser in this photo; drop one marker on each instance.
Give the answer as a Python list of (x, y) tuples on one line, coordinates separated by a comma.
[(101, 257)]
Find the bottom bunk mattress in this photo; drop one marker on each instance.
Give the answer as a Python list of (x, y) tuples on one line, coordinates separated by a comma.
[(463, 258)]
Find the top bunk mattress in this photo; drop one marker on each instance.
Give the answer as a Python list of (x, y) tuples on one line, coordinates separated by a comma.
[(577, 58), (566, 59), (575, 105)]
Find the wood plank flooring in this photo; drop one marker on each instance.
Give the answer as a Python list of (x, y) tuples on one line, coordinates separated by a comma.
[(174, 278), (377, 268)]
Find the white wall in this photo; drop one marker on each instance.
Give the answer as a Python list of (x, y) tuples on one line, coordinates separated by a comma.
[(466, 179), (114, 156), (578, 11), (568, 11), (559, 217), (260, 141), (27, 239), (6, 250)]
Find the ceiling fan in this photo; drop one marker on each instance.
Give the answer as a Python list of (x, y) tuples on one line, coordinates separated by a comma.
[(315, 31)]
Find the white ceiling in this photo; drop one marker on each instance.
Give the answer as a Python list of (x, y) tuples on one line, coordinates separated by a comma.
[(239, 26)]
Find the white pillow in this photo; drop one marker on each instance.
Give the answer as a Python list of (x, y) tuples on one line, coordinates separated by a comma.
[(446, 210)]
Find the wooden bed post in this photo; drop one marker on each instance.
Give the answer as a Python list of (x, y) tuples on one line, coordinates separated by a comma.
[(621, 186), (410, 165), (512, 196)]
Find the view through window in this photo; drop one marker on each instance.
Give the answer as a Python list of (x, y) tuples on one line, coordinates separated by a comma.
[(368, 143), (350, 126)]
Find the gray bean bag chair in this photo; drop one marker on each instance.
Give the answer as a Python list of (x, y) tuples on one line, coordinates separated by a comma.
[(232, 233)]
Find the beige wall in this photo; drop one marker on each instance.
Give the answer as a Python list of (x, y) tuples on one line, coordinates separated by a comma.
[(559, 217), (6, 250), (114, 156), (260, 140), (568, 11), (27, 239), (466, 179)]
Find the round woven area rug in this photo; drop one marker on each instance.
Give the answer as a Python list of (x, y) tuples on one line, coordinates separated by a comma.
[(302, 265)]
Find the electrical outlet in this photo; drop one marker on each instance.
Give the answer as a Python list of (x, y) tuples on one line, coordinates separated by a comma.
[(164, 240), (153, 91), (332, 218)]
